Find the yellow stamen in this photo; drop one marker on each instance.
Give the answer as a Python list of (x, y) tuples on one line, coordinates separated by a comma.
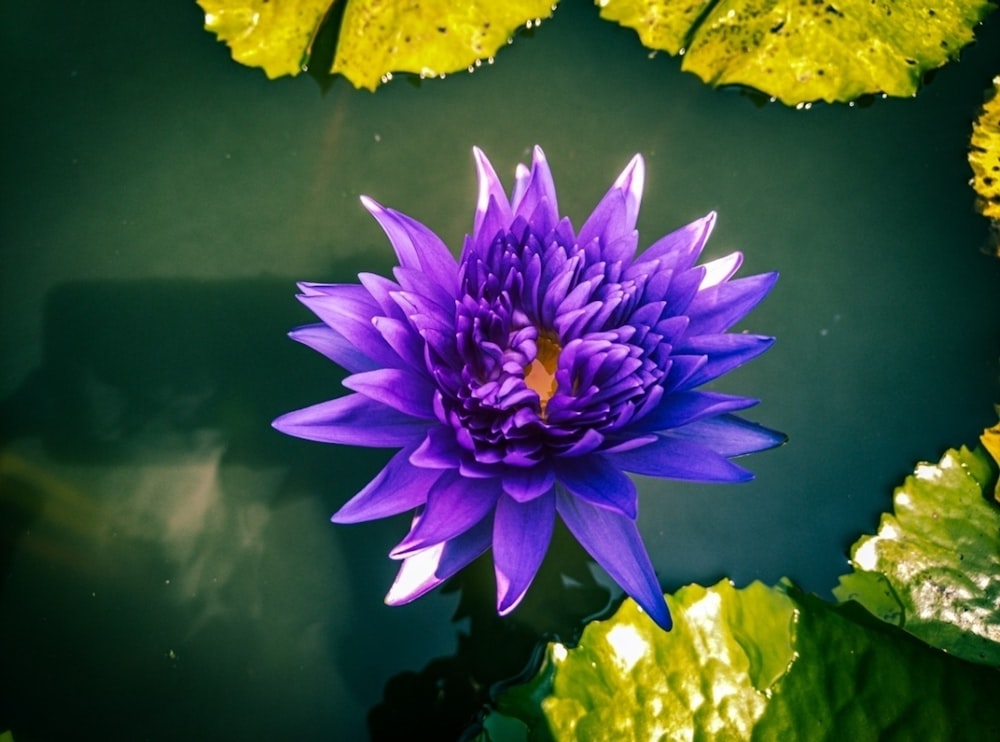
[(540, 375)]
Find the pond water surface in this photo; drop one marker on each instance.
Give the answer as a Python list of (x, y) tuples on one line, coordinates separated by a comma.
[(167, 568)]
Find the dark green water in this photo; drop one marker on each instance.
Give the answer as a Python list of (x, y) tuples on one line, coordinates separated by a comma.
[(167, 569)]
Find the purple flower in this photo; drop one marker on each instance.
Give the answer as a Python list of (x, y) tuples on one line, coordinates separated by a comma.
[(526, 379)]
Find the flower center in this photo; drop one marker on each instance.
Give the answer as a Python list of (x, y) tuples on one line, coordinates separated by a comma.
[(540, 374)]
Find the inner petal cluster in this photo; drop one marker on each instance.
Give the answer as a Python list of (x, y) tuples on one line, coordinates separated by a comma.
[(557, 348)]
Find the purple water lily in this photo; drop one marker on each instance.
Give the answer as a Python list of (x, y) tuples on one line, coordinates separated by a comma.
[(524, 380)]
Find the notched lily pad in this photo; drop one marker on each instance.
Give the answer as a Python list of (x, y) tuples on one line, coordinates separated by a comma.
[(276, 36), (757, 663), (984, 155), (938, 555), (376, 39), (806, 50)]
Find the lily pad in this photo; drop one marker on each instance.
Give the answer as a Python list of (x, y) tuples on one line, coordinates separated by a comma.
[(275, 36), (376, 38), (757, 663), (427, 38), (938, 555), (807, 50), (991, 442), (984, 155)]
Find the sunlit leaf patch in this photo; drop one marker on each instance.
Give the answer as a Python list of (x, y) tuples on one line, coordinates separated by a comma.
[(806, 50), (984, 155), (429, 38), (938, 554), (757, 663)]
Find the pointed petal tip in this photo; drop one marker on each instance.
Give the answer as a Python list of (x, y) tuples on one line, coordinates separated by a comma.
[(371, 204), (416, 577), (507, 602), (482, 161), (720, 270), (633, 177), (769, 439), (659, 613), (339, 518), (288, 423)]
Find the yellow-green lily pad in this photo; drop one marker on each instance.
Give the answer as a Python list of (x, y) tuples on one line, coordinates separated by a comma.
[(984, 155), (428, 38), (757, 663), (376, 39), (806, 50), (938, 557), (275, 35), (991, 442)]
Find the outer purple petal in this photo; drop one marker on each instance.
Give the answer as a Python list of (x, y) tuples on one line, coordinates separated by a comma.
[(399, 487), (419, 282), (539, 191), (354, 420), (615, 215), (438, 450), (454, 505), (401, 390), (426, 569), (730, 435), (489, 217), (614, 542), (334, 346), (521, 534), (381, 290), (349, 310), (311, 288), (596, 479), (724, 352), (718, 308), (674, 458), (416, 246), (682, 408), (721, 269), (403, 339), (679, 249), (527, 483)]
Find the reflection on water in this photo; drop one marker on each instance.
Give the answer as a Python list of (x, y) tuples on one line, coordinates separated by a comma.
[(153, 545), (145, 581)]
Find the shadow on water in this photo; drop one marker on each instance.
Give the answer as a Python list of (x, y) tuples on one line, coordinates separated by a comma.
[(129, 361), (444, 699), (165, 554), (167, 565)]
